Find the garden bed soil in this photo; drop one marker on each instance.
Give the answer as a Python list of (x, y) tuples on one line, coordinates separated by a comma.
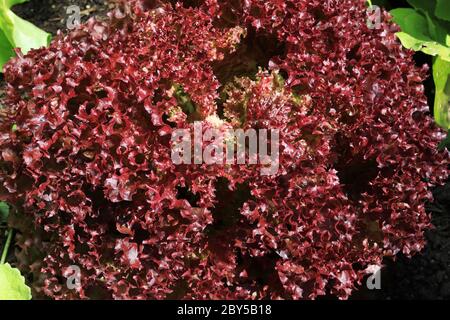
[(425, 276), (51, 15)]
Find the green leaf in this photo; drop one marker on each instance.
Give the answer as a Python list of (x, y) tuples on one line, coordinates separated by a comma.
[(412, 22), (12, 284), (6, 50), (438, 10), (409, 41), (417, 34), (424, 5), (436, 30), (4, 212), (20, 33), (17, 33), (436, 49), (441, 74), (429, 47), (422, 31), (442, 10), (27, 36)]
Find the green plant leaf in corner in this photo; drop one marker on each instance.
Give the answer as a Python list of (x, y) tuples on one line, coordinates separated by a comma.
[(412, 23), (416, 35), (441, 75), (12, 284), (427, 6), (442, 10), (437, 31), (18, 33), (6, 50), (23, 34)]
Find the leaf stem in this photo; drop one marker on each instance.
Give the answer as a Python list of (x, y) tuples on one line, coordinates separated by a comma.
[(7, 244)]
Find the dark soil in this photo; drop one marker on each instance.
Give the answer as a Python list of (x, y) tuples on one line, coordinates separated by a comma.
[(425, 276), (51, 15)]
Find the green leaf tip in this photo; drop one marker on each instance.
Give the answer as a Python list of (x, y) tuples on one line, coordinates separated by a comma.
[(12, 284), (16, 32)]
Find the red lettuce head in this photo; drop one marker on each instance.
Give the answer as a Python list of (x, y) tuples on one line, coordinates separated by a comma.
[(85, 140)]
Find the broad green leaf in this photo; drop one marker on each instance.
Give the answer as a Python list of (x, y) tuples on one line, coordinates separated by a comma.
[(424, 5), (422, 31), (436, 30), (418, 33), (12, 284), (442, 10), (4, 212), (17, 33), (436, 49), (429, 47), (412, 23), (409, 41), (441, 74), (6, 50), (25, 35)]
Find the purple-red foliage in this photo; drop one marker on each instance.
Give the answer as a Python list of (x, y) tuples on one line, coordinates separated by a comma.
[(89, 158)]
